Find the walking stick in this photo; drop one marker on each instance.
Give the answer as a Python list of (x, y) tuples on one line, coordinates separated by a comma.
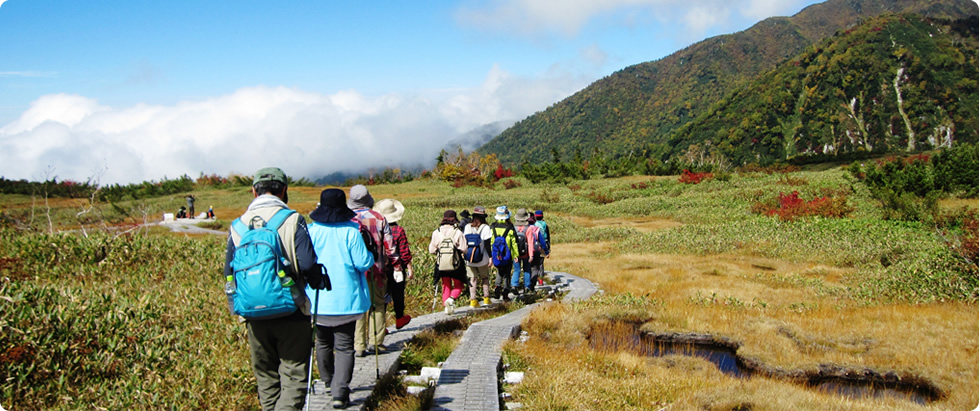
[(374, 331), (310, 388)]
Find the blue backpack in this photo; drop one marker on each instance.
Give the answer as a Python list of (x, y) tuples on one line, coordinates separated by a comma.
[(261, 288), (474, 248), (499, 250)]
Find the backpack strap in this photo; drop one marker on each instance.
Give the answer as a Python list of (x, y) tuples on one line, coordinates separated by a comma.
[(280, 217)]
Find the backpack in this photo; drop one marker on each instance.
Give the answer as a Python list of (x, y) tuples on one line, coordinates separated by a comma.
[(369, 243), (521, 241), (474, 248), (499, 250), (262, 287), (447, 255)]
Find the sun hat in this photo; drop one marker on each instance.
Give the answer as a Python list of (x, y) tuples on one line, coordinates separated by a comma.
[(332, 208), (521, 217), (449, 217), (269, 174), (502, 213), (393, 210), (360, 197), (480, 210)]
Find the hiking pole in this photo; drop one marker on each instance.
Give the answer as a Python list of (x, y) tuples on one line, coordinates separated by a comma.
[(374, 330), (310, 388)]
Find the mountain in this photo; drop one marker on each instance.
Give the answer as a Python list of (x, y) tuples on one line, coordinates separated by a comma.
[(639, 108), (893, 83)]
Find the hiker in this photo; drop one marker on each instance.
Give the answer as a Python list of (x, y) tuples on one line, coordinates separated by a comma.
[(503, 251), (211, 212), (541, 250), (400, 270), (477, 236), (340, 248), (448, 245), (372, 325), (464, 219), (545, 231), (182, 212), (279, 346), (528, 235), (190, 205)]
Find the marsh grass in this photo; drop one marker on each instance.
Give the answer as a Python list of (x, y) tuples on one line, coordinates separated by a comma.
[(93, 317)]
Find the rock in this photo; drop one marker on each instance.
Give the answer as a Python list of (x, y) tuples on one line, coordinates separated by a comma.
[(513, 405), (513, 377), (415, 379), (430, 373), (415, 390)]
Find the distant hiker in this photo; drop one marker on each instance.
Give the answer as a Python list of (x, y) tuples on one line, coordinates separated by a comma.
[(211, 212), (528, 235), (545, 231), (477, 235), (371, 328), (340, 248), (280, 342), (182, 212), (464, 219), (190, 205), (503, 251), (448, 245), (540, 251), (400, 270)]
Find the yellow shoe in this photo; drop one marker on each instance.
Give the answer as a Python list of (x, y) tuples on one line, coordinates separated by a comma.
[(486, 300), (473, 303)]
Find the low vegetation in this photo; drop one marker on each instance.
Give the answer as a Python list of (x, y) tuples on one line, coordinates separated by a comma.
[(102, 311)]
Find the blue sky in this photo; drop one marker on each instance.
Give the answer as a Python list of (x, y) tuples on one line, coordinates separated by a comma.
[(126, 91)]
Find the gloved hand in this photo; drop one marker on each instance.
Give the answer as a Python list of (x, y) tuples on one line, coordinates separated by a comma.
[(318, 279)]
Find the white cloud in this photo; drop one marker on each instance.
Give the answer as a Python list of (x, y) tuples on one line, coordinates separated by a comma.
[(1, 2), (307, 134)]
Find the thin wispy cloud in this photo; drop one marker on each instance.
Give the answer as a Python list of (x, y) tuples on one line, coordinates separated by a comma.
[(26, 73), (567, 18)]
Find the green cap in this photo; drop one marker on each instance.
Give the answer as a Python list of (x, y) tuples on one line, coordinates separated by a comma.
[(269, 174)]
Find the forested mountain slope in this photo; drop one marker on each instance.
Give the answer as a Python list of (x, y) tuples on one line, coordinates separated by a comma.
[(894, 83), (639, 108)]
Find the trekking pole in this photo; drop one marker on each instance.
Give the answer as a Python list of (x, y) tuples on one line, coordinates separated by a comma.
[(374, 330), (310, 388)]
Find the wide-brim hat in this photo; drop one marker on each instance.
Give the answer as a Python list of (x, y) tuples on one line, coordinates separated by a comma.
[(393, 210), (360, 197), (502, 213), (521, 216), (333, 207), (479, 210)]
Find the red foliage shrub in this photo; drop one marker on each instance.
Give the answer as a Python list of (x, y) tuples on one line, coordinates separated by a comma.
[(790, 207), (510, 183), (502, 172), (688, 177), (639, 186)]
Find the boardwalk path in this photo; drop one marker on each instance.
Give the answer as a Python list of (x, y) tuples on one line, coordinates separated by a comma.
[(469, 376)]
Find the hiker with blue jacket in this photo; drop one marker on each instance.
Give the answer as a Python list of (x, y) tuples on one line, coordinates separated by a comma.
[(340, 248), (279, 346)]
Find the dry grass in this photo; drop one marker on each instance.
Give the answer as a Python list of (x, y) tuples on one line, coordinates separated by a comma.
[(784, 314)]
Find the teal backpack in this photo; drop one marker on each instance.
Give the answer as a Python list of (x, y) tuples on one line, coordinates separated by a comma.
[(260, 287)]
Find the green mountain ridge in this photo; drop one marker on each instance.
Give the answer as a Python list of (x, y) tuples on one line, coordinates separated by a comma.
[(640, 108)]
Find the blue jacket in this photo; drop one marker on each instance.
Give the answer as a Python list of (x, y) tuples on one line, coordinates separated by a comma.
[(340, 248), (545, 239)]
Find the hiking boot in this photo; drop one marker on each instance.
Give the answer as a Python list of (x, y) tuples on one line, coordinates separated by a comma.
[(450, 305), (486, 300), (496, 292), (474, 303), (340, 403), (402, 321), (360, 353)]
